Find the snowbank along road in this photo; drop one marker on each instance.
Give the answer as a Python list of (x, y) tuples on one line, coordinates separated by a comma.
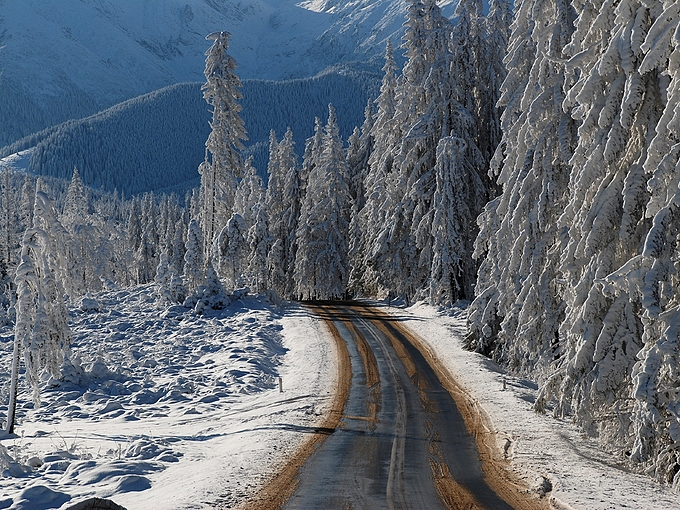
[(401, 441)]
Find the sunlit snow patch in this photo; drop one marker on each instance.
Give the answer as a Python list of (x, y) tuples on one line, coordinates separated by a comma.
[(18, 161)]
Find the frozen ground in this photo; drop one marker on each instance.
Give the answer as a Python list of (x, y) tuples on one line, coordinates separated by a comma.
[(18, 162), (541, 447), (172, 410), (178, 411)]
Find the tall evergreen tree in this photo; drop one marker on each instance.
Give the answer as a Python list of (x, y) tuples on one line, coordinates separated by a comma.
[(652, 276), (220, 171), (41, 330), (604, 220), (249, 193), (517, 307), (292, 202), (368, 262), (453, 229), (321, 266), (194, 260), (231, 251)]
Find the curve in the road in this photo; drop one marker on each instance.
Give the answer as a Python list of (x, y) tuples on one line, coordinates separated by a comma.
[(401, 441)]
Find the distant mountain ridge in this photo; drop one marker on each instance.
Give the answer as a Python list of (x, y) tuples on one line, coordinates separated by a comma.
[(62, 59), (156, 141)]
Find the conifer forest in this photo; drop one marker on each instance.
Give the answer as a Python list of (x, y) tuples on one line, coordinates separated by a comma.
[(519, 160)]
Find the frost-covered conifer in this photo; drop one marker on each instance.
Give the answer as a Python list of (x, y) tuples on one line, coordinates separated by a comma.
[(652, 276), (617, 108), (9, 221), (220, 172), (310, 159), (41, 330), (358, 155), (211, 295), (274, 202), (393, 250), (169, 286), (367, 271), (27, 201), (89, 248), (517, 307), (194, 274), (258, 240), (249, 193), (492, 74), (321, 265), (178, 246), (453, 228), (230, 251), (134, 226), (292, 200)]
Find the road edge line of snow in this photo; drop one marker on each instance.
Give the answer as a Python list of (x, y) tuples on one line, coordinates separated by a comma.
[(283, 484)]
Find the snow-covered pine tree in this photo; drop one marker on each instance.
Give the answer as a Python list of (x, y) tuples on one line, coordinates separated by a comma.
[(366, 273), (358, 155), (274, 192), (177, 246), (27, 202), (8, 223), (89, 249), (249, 194), (144, 259), (220, 171), (76, 204), (211, 295), (258, 240), (453, 231), (491, 246), (321, 265), (604, 220), (310, 159), (276, 269), (169, 286), (172, 228), (150, 231), (652, 276), (41, 330), (134, 224), (492, 74), (394, 250), (230, 251), (518, 307), (194, 272), (292, 201), (467, 63)]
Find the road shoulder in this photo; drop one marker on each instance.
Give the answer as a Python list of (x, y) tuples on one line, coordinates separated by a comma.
[(547, 456), (283, 483)]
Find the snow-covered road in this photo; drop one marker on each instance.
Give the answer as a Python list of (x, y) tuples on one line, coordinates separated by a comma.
[(545, 452), (401, 441), (179, 411)]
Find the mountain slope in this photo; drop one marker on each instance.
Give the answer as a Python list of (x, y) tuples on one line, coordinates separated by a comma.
[(62, 59), (155, 142)]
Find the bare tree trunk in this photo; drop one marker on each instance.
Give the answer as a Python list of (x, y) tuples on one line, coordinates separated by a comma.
[(14, 386)]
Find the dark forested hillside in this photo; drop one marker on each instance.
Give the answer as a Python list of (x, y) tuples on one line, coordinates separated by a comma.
[(157, 141)]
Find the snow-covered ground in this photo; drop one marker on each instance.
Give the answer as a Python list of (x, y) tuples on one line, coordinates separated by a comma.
[(17, 162), (179, 411), (582, 476), (171, 410)]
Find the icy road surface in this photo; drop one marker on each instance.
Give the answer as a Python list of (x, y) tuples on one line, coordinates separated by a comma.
[(401, 443)]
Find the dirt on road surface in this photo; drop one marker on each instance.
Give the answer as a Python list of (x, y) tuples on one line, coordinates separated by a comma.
[(282, 486), (400, 398)]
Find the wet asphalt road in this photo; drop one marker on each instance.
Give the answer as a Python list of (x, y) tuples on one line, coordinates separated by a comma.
[(400, 428)]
